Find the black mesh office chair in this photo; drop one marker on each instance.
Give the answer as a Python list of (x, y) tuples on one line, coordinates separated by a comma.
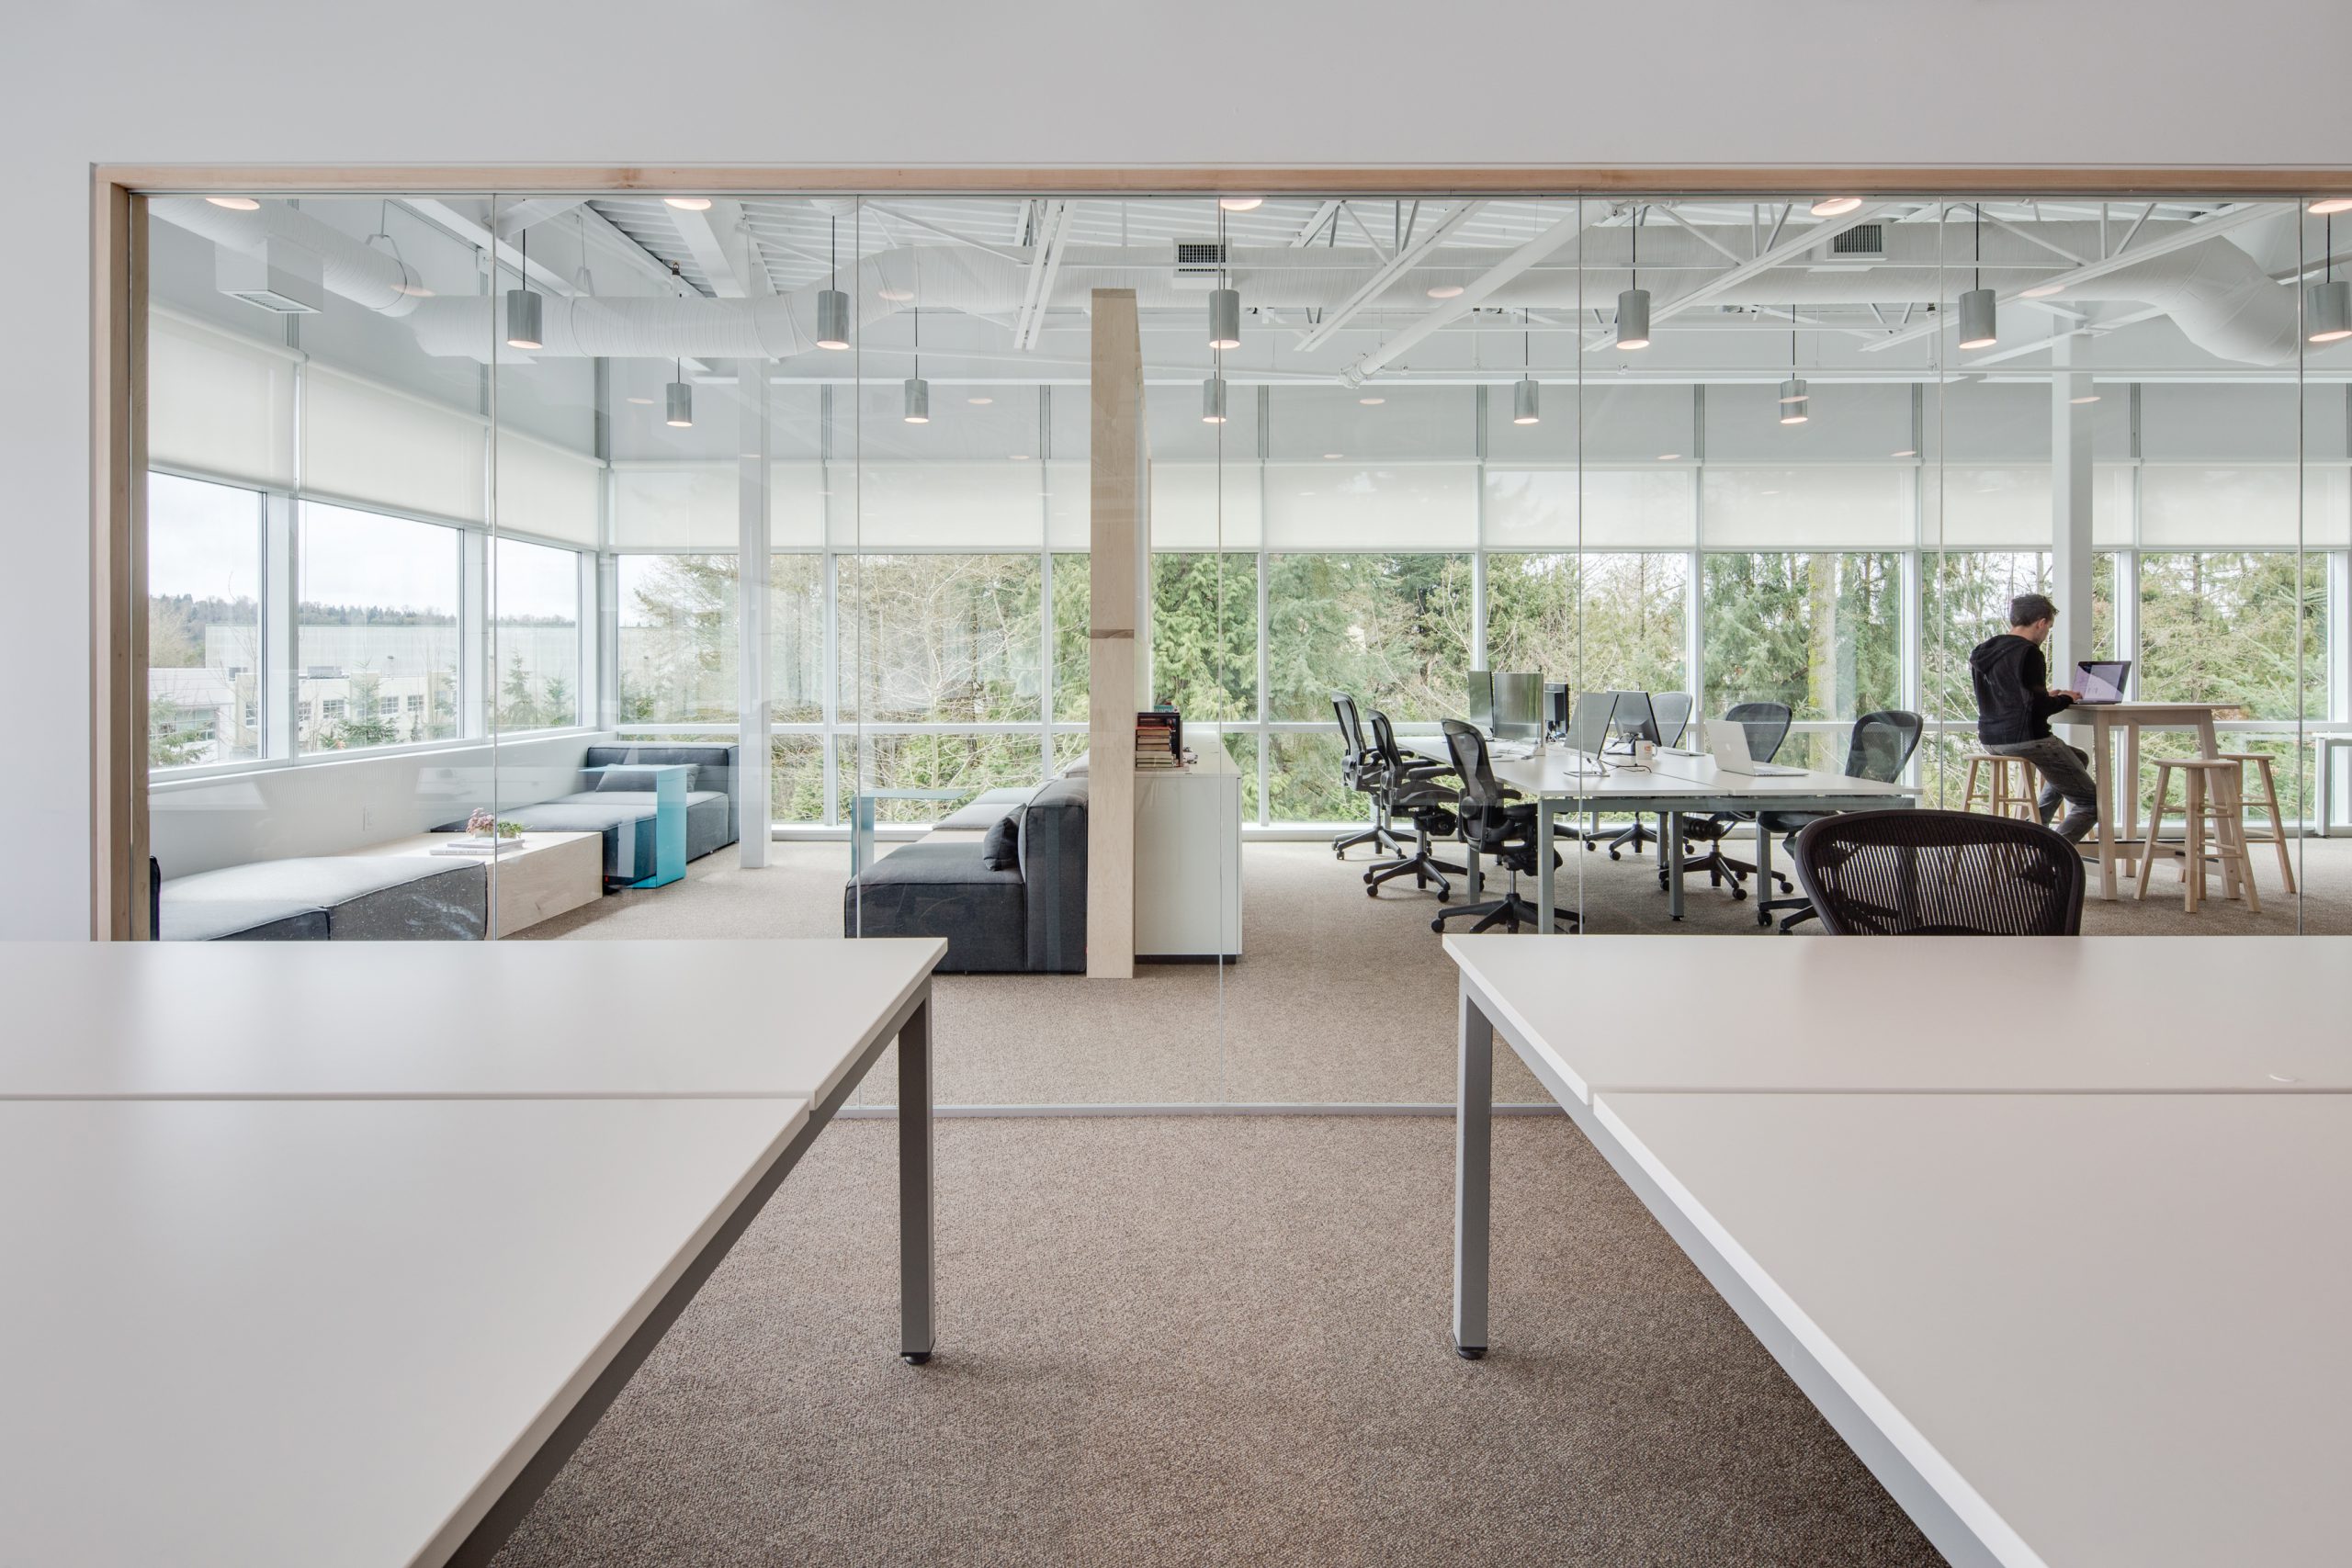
[(1364, 772), (1879, 748), (1427, 799), (1939, 873), (1670, 716), (1768, 726), (1499, 827)]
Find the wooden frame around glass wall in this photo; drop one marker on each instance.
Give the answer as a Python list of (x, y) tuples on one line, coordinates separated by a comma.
[(118, 909)]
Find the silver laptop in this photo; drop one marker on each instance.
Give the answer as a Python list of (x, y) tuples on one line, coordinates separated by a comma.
[(1727, 742)]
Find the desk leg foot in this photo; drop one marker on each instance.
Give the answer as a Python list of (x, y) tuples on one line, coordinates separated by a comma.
[(1471, 1352), (915, 1358)]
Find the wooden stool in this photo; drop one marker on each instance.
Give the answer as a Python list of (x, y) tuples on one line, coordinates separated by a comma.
[(2000, 800), (2210, 786), (2269, 801)]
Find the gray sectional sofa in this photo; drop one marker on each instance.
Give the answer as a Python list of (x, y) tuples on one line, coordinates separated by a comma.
[(1029, 918), (328, 898), (625, 816)]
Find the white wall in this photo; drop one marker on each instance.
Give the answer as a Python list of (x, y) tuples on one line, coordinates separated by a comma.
[(1823, 83)]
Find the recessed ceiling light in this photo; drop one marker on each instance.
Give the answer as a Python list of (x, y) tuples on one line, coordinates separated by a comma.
[(1445, 291), (648, 402), (1021, 456), (980, 402), (1370, 402), (1242, 203), (1328, 456), (1834, 206), (247, 204), (688, 203), (2091, 398), (2042, 292), (896, 296), (1908, 452), (2323, 206), (1668, 457)]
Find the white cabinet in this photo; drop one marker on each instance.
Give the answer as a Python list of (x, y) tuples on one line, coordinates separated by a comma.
[(1188, 858)]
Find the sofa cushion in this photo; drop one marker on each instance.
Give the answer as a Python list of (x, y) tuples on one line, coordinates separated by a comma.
[(341, 896), (620, 778), (1001, 847)]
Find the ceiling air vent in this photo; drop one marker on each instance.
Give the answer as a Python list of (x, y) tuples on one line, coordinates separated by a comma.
[(1197, 262), (1852, 250), (282, 278)]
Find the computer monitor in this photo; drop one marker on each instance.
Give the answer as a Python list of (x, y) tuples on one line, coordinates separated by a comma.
[(1519, 706), (1589, 731), (1555, 706), (1636, 718), (1481, 701)]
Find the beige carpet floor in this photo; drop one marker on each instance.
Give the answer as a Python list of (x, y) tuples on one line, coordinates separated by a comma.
[(1211, 1340), (1338, 998)]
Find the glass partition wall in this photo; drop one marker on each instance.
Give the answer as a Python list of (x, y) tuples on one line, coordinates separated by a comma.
[(771, 518)]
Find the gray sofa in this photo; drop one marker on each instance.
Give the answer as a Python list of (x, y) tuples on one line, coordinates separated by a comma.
[(328, 898), (1029, 919), (625, 816)]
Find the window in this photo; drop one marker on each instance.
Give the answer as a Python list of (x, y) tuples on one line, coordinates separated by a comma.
[(1818, 632), (1599, 622), (536, 635), (376, 617), (1204, 634), (796, 644), (677, 639), (204, 554), (1073, 606), (1393, 629), (2240, 627), (941, 638)]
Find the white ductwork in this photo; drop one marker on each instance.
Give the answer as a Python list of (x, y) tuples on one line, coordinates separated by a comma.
[(2216, 293), (363, 276)]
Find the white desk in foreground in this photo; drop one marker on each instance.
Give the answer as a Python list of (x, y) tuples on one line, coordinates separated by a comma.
[(504, 1174), (2178, 1152)]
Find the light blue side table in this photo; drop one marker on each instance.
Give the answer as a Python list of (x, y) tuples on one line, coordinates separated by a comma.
[(668, 821), (862, 817)]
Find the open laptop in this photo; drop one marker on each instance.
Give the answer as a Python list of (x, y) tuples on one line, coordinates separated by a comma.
[(1727, 742), (2102, 680)]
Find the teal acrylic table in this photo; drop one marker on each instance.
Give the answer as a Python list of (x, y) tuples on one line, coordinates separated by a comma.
[(668, 821)]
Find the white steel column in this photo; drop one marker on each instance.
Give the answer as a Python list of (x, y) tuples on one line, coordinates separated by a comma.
[(753, 770), (279, 673), (2070, 515)]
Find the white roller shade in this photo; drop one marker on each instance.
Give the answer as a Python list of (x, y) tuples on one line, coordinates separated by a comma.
[(365, 442), (2246, 508), (1624, 509), (546, 489), (676, 506), (796, 505), (219, 403), (1815, 508), (1355, 506), (987, 506), (1070, 504), (1184, 507)]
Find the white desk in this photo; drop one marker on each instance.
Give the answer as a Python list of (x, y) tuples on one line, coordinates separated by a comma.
[(2174, 1162), (264, 1129), (2095, 1012), (2097, 1329), (1556, 778)]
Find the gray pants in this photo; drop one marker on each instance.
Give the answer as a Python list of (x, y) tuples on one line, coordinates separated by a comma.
[(2066, 775)]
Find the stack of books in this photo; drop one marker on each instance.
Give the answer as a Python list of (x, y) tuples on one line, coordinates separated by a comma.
[(1159, 740)]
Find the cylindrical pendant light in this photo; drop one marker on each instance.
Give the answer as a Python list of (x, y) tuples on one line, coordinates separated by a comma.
[(832, 305), (1526, 401), (917, 391), (1794, 402), (523, 306), (1225, 319), (1633, 304), (682, 399), (2327, 304), (1212, 400), (1978, 326)]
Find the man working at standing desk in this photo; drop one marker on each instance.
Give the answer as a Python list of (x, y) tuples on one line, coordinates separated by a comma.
[(2013, 708)]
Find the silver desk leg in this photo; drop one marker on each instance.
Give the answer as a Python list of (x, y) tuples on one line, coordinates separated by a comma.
[(1473, 1171), (1544, 891), (1763, 866), (917, 1304)]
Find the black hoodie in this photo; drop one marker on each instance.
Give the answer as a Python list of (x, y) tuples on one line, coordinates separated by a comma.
[(2013, 701)]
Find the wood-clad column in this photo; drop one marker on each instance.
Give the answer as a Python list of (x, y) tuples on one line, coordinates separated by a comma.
[(118, 565), (1117, 565)]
